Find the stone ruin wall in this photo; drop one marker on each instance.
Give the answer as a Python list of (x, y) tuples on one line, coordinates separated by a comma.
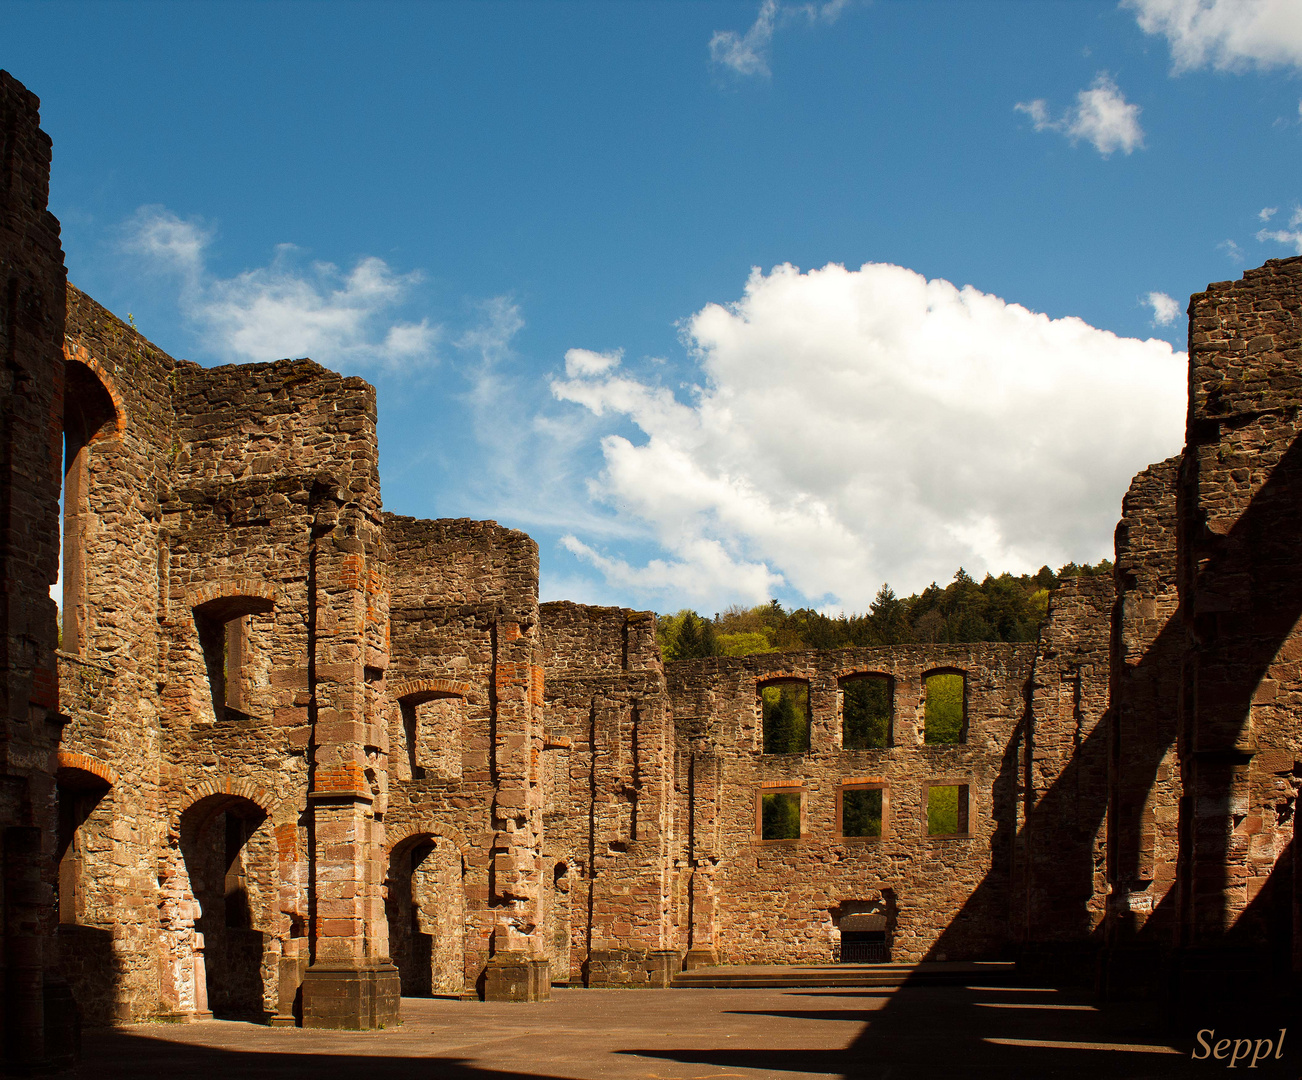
[(1060, 890), (465, 672), (111, 664), (1144, 767), (37, 1020), (779, 901), (251, 645), (1240, 535), (610, 829)]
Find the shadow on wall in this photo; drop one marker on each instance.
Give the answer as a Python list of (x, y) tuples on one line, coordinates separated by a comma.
[(425, 905)]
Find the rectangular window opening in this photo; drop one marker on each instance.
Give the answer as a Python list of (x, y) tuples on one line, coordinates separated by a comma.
[(780, 815), (945, 708), (866, 712), (861, 812), (947, 810), (784, 717)]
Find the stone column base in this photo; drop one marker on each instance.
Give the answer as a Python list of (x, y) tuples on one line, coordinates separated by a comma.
[(514, 976), (699, 958), (351, 997)]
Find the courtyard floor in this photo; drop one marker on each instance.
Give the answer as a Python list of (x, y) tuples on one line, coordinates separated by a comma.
[(680, 1034)]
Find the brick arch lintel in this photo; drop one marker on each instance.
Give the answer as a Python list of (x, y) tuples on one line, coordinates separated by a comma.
[(782, 676), (226, 785), (429, 830), (67, 759), (76, 353), (261, 594), (425, 689)]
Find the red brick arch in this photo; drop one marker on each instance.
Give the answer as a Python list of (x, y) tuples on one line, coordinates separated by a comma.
[(84, 763), (426, 830), (241, 596), (226, 786), (427, 689), (76, 353)]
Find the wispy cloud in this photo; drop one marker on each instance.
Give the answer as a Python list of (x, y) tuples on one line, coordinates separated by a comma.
[(1267, 212), (858, 426), (1232, 250), (748, 54), (1101, 116), (339, 318), (1165, 308), (1228, 35), (1291, 235)]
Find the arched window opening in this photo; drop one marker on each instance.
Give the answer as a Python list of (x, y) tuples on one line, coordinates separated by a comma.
[(425, 904), (867, 712), (224, 636), (88, 415), (79, 793), (784, 716), (227, 855), (945, 708)]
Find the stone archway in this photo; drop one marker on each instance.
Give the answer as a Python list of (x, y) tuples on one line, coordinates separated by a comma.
[(229, 856), (426, 907)]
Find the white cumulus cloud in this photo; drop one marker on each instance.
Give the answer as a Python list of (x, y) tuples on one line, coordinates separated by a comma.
[(339, 318), (1165, 308), (748, 53), (859, 426), (1101, 116), (1229, 35)]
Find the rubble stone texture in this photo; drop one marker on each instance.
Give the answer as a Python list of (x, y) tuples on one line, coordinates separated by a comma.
[(296, 756)]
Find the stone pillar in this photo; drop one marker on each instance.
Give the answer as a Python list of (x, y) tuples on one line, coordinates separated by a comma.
[(703, 851), (350, 983), (518, 968)]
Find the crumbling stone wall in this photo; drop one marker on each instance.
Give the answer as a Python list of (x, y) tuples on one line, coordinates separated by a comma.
[(112, 664), (780, 901), (465, 640), (1062, 834), (609, 834), (1240, 546), (36, 1022), (1144, 769)]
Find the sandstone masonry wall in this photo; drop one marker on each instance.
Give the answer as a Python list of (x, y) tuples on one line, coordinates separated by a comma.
[(780, 901), (1240, 536), (609, 827), (37, 1021)]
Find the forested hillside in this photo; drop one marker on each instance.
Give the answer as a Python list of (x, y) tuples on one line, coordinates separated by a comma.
[(1004, 608)]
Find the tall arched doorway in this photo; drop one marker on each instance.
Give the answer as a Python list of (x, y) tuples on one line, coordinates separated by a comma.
[(426, 906), (230, 859)]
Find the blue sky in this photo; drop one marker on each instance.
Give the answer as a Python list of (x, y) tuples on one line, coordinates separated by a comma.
[(718, 301)]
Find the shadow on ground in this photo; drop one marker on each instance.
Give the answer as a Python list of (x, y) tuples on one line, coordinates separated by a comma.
[(915, 1031)]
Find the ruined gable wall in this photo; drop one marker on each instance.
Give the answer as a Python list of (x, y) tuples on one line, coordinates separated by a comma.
[(609, 768), (751, 900), (1144, 768), (1240, 523), (31, 380), (464, 618)]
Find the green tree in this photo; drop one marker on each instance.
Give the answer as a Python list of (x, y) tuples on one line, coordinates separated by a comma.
[(780, 816), (785, 718)]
